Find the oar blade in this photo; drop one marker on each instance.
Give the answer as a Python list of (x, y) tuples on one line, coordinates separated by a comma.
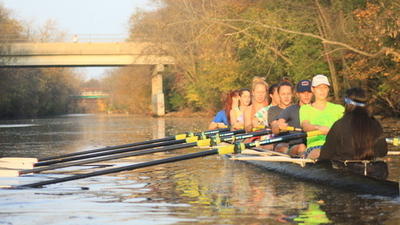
[(9, 173), (16, 165), (18, 159)]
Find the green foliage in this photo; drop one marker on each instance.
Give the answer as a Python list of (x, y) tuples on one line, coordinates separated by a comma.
[(221, 45), (32, 91), (36, 92)]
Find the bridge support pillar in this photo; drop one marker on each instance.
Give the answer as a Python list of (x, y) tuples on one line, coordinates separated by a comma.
[(157, 94)]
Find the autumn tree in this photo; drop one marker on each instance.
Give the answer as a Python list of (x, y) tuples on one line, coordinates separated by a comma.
[(32, 91), (221, 45)]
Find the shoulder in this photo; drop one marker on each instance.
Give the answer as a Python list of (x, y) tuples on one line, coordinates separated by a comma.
[(335, 107), (222, 112), (306, 107), (265, 108), (294, 107), (342, 122)]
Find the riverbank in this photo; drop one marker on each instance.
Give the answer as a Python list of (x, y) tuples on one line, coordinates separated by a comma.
[(189, 113)]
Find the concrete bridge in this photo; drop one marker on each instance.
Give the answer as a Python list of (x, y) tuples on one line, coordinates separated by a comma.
[(92, 55)]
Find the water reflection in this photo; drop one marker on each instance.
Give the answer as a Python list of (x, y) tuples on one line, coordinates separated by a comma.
[(159, 128)]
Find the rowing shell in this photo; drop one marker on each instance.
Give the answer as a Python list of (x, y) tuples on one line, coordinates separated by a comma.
[(319, 172)]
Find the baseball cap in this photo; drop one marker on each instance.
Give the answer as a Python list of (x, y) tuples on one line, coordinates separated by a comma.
[(303, 86), (320, 79)]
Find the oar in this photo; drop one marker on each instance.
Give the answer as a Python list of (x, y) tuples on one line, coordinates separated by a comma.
[(180, 138), (17, 163), (394, 141), (166, 139), (228, 149), (199, 143), (136, 148)]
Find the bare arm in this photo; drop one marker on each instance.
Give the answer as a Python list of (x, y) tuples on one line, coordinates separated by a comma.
[(307, 126), (248, 123), (213, 126), (233, 118)]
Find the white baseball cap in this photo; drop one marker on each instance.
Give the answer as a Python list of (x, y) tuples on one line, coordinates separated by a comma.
[(320, 79)]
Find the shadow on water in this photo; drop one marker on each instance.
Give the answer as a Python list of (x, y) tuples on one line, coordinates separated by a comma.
[(210, 190)]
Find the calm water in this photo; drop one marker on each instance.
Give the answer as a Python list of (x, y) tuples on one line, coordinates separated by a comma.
[(209, 190)]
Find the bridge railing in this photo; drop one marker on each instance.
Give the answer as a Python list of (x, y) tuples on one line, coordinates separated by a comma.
[(85, 38)]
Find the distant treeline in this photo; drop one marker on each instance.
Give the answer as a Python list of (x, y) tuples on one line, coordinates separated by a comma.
[(221, 45), (32, 91)]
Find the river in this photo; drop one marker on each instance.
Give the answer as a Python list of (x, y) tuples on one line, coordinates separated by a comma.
[(209, 190)]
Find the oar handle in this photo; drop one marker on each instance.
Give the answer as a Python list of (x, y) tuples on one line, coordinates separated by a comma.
[(394, 141), (238, 147), (288, 128), (248, 135)]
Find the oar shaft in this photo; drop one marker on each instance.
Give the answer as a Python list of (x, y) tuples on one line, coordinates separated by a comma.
[(127, 154), (221, 150), (135, 148), (107, 148), (120, 169), (142, 144), (106, 158), (80, 157)]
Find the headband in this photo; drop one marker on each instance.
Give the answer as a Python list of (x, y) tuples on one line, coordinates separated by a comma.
[(352, 102)]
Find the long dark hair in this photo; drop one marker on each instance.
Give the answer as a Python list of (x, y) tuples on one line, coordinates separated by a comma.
[(363, 125), (228, 103), (271, 91)]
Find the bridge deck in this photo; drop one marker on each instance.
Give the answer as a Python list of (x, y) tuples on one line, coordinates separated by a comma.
[(84, 54)]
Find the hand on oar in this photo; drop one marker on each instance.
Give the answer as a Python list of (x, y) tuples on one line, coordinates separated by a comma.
[(286, 128), (228, 149), (190, 142)]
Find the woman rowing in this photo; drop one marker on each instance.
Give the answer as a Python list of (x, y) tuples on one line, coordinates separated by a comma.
[(239, 105), (355, 141), (320, 115), (222, 118), (259, 101), (356, 136), (262, 114)]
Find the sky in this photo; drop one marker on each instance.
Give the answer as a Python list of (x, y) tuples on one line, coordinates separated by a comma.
[(85, 18)]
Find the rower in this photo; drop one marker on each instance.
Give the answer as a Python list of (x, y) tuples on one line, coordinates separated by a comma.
[(238, 108), (290, 117), (259, 101), (262, 114), (222, 118), (285, 93), (320, 115), (357, 136)]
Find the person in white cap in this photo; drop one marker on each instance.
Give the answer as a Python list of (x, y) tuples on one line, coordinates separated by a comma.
[(320, 115)]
